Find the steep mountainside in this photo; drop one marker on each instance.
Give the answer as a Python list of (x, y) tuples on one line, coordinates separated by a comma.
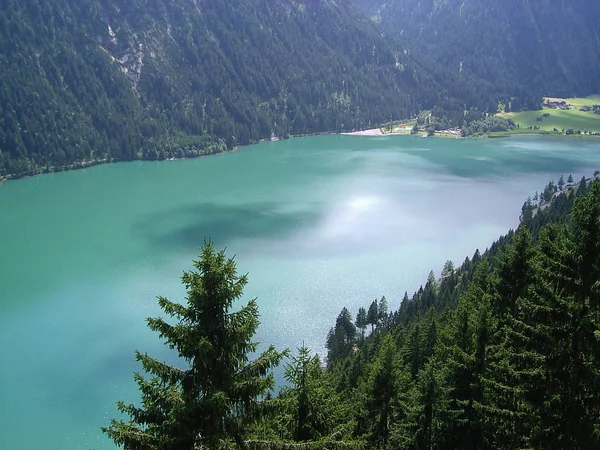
[(91, 80), (514, 47)]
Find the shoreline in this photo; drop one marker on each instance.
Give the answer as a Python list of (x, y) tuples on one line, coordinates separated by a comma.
[(371, 132)]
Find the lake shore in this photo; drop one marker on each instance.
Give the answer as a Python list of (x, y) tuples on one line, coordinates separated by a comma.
[(369, 132)]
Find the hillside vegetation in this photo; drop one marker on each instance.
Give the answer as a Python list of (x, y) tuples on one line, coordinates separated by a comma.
[(90, 81), (500, 352), (577, 116), (503, 48), (97, 80)]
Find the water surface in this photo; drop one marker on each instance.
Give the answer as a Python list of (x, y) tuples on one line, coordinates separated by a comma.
[(319, 223)]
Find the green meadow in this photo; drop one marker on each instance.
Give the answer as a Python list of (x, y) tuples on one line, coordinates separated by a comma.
[(586, 101), (560, 119)]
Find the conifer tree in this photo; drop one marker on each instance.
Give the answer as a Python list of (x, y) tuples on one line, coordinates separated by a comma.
[(429, 410), (311, 400), (562, 314), (209, 399), (506, 414), (361, 321), (373, 315), (515, 272), (413, 351), (466, 348), (382, 313), (385, 395), (341, 338)]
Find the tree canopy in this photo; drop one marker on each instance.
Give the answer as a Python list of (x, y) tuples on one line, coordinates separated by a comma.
[(210, 400)]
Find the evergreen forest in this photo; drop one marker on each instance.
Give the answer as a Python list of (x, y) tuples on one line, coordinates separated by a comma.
[(501, 50), (500, 352), (93, 81)]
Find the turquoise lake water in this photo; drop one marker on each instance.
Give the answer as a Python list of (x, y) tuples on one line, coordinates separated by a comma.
[(318, 223)]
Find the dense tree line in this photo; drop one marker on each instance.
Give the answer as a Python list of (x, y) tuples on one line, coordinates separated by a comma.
[(511, 52), (92, 81), (488, 125), (102, 80), (500, 352)]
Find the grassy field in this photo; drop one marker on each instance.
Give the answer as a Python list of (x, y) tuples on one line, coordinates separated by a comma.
[(579, 102), (559, 119)]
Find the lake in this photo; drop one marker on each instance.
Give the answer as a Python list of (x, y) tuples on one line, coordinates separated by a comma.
[(319, 223)]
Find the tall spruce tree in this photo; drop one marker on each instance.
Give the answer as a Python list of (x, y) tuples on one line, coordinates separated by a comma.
[(312, 401), (361, 321), (382, 313), (465, 350), (386, 397), (373, 315), (505, 411), (341, 338), (515, 272), (429, 410), (211, 398), (563, 315)]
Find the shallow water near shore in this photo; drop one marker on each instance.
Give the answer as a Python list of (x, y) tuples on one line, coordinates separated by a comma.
[(318, 223)]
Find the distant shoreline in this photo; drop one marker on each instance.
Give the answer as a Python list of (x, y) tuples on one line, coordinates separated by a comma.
[(371, 132)]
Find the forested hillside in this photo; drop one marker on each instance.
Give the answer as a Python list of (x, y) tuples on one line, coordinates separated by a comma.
[(96, 80), (502, 48), (500, 352)]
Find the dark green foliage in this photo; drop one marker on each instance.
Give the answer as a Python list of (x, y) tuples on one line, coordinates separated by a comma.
[(514, 51), (386, 393), (383, 314), (501, 352), (488, 125), (361, 321), (563, 312), (465, 348), (101, 80), (214, 396), (373, 315), (310, 402), (515, 273), (429, 408), (341, 338)]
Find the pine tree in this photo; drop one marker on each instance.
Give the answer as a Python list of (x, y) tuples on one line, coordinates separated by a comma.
[(361, 321), (341, 338), (466, 350), (211, 400), (563, 315), (545, 370), (429, 410), (373, 315), (505, 411), (582, 187), (310, 399), (386, 398), (515, 272), (430, 292), (413, 351), (382, 313)]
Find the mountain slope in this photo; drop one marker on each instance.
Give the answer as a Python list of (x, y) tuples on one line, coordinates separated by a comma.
[(516, 47), (114, 79)]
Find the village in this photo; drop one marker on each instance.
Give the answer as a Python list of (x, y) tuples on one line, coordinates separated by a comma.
[(563, 105)]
